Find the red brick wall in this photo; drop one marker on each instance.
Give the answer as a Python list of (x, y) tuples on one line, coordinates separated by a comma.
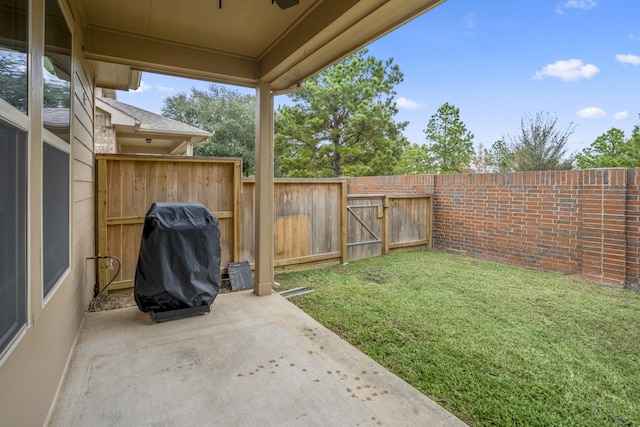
[(633, 229), (582, 221)]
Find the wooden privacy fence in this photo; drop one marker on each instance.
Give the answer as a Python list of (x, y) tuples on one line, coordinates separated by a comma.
[(315, 219), (128, 185), (310, 221), (378, 223)]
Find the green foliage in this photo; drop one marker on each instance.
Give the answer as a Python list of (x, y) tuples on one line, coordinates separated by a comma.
[(501, 157), (482, 161), (449, 142), (494, 344), (415, 160), (540, 145), (341, 122), (225, 112), (612, 150)]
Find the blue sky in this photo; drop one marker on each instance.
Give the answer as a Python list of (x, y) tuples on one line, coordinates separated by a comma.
[(499, 60)]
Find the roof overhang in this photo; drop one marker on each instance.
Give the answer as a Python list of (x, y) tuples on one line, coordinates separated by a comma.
[(116, 76), (135, 136), (242, 43)]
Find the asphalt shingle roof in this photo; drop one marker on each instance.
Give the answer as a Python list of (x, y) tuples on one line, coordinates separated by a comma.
[(153, 121)]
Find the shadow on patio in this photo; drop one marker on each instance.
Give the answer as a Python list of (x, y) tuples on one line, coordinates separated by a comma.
[(250, 362)]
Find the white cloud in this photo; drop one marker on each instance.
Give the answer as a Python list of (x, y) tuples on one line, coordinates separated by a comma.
[(165, 88), (576, 4), (143, 88), (470, 20), (591, 113), (408, 104), (628, 59), (622, 115), (569, 70)]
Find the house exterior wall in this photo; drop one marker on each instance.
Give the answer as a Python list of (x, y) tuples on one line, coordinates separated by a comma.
[(105, 135), (580, 221), (31, 370)]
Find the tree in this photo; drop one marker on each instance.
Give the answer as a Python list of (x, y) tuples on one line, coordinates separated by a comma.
[(482, 161), (225, 112), (449, 141), (415, 160), (540, 145), (501, 156), (341, 122), (611, 150)]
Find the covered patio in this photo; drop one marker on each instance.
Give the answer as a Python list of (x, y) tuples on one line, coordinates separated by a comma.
[(115, 364), (273, 46), (251, 361)]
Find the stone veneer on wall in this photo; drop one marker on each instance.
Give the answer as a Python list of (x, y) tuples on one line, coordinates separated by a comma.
[(105, 137)]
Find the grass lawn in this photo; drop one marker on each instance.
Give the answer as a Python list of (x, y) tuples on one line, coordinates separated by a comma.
[(493, 344)]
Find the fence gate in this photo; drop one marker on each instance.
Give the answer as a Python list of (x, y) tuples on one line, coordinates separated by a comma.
[(365, 224), (380, 223)]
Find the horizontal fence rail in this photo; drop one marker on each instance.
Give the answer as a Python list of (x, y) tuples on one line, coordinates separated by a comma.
[(314, 219)]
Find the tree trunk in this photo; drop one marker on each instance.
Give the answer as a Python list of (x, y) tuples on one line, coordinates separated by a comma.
[(337, 169)]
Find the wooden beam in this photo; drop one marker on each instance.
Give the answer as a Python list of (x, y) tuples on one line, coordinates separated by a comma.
[(264, 192), (307, 259), (237, 221), (311, 30), (344, 229), (101, 220), (385, 226), (161, 56), (408, 244), (130, 220)]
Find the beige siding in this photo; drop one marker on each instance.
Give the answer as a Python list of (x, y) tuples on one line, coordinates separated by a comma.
[(83, 184), (32, 370)]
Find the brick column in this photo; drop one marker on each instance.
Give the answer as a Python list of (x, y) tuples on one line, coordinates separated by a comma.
[(633, 229), (604, 225)]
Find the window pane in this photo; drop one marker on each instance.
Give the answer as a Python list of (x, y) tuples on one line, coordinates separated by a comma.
[(13, 57), (55, 227), (13, 213), (57, 72)]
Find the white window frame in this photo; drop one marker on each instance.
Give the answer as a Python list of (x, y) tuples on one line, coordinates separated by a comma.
[(50, 138), (62, 145), (14, 117)]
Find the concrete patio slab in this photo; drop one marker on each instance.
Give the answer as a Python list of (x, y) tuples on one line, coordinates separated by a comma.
[(252, 361)]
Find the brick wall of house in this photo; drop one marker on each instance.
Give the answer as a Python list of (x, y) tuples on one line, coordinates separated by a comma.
[(581, 221)]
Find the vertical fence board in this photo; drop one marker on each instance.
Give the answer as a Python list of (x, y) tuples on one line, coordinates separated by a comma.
[(364, 227), (311, 219), (128, 185), (246, 221)]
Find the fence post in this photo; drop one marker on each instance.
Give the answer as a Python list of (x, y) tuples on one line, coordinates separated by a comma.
[(101, 220), (385, 225), (344, 254), (237, 194), (430, 222)]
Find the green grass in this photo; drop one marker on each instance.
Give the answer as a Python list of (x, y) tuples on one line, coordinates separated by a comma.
[(493, 344)]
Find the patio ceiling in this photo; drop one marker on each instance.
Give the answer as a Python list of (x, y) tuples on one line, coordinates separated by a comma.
[(242, 42)]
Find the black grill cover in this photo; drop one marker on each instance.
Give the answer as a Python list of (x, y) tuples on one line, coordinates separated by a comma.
[(179, 259)]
